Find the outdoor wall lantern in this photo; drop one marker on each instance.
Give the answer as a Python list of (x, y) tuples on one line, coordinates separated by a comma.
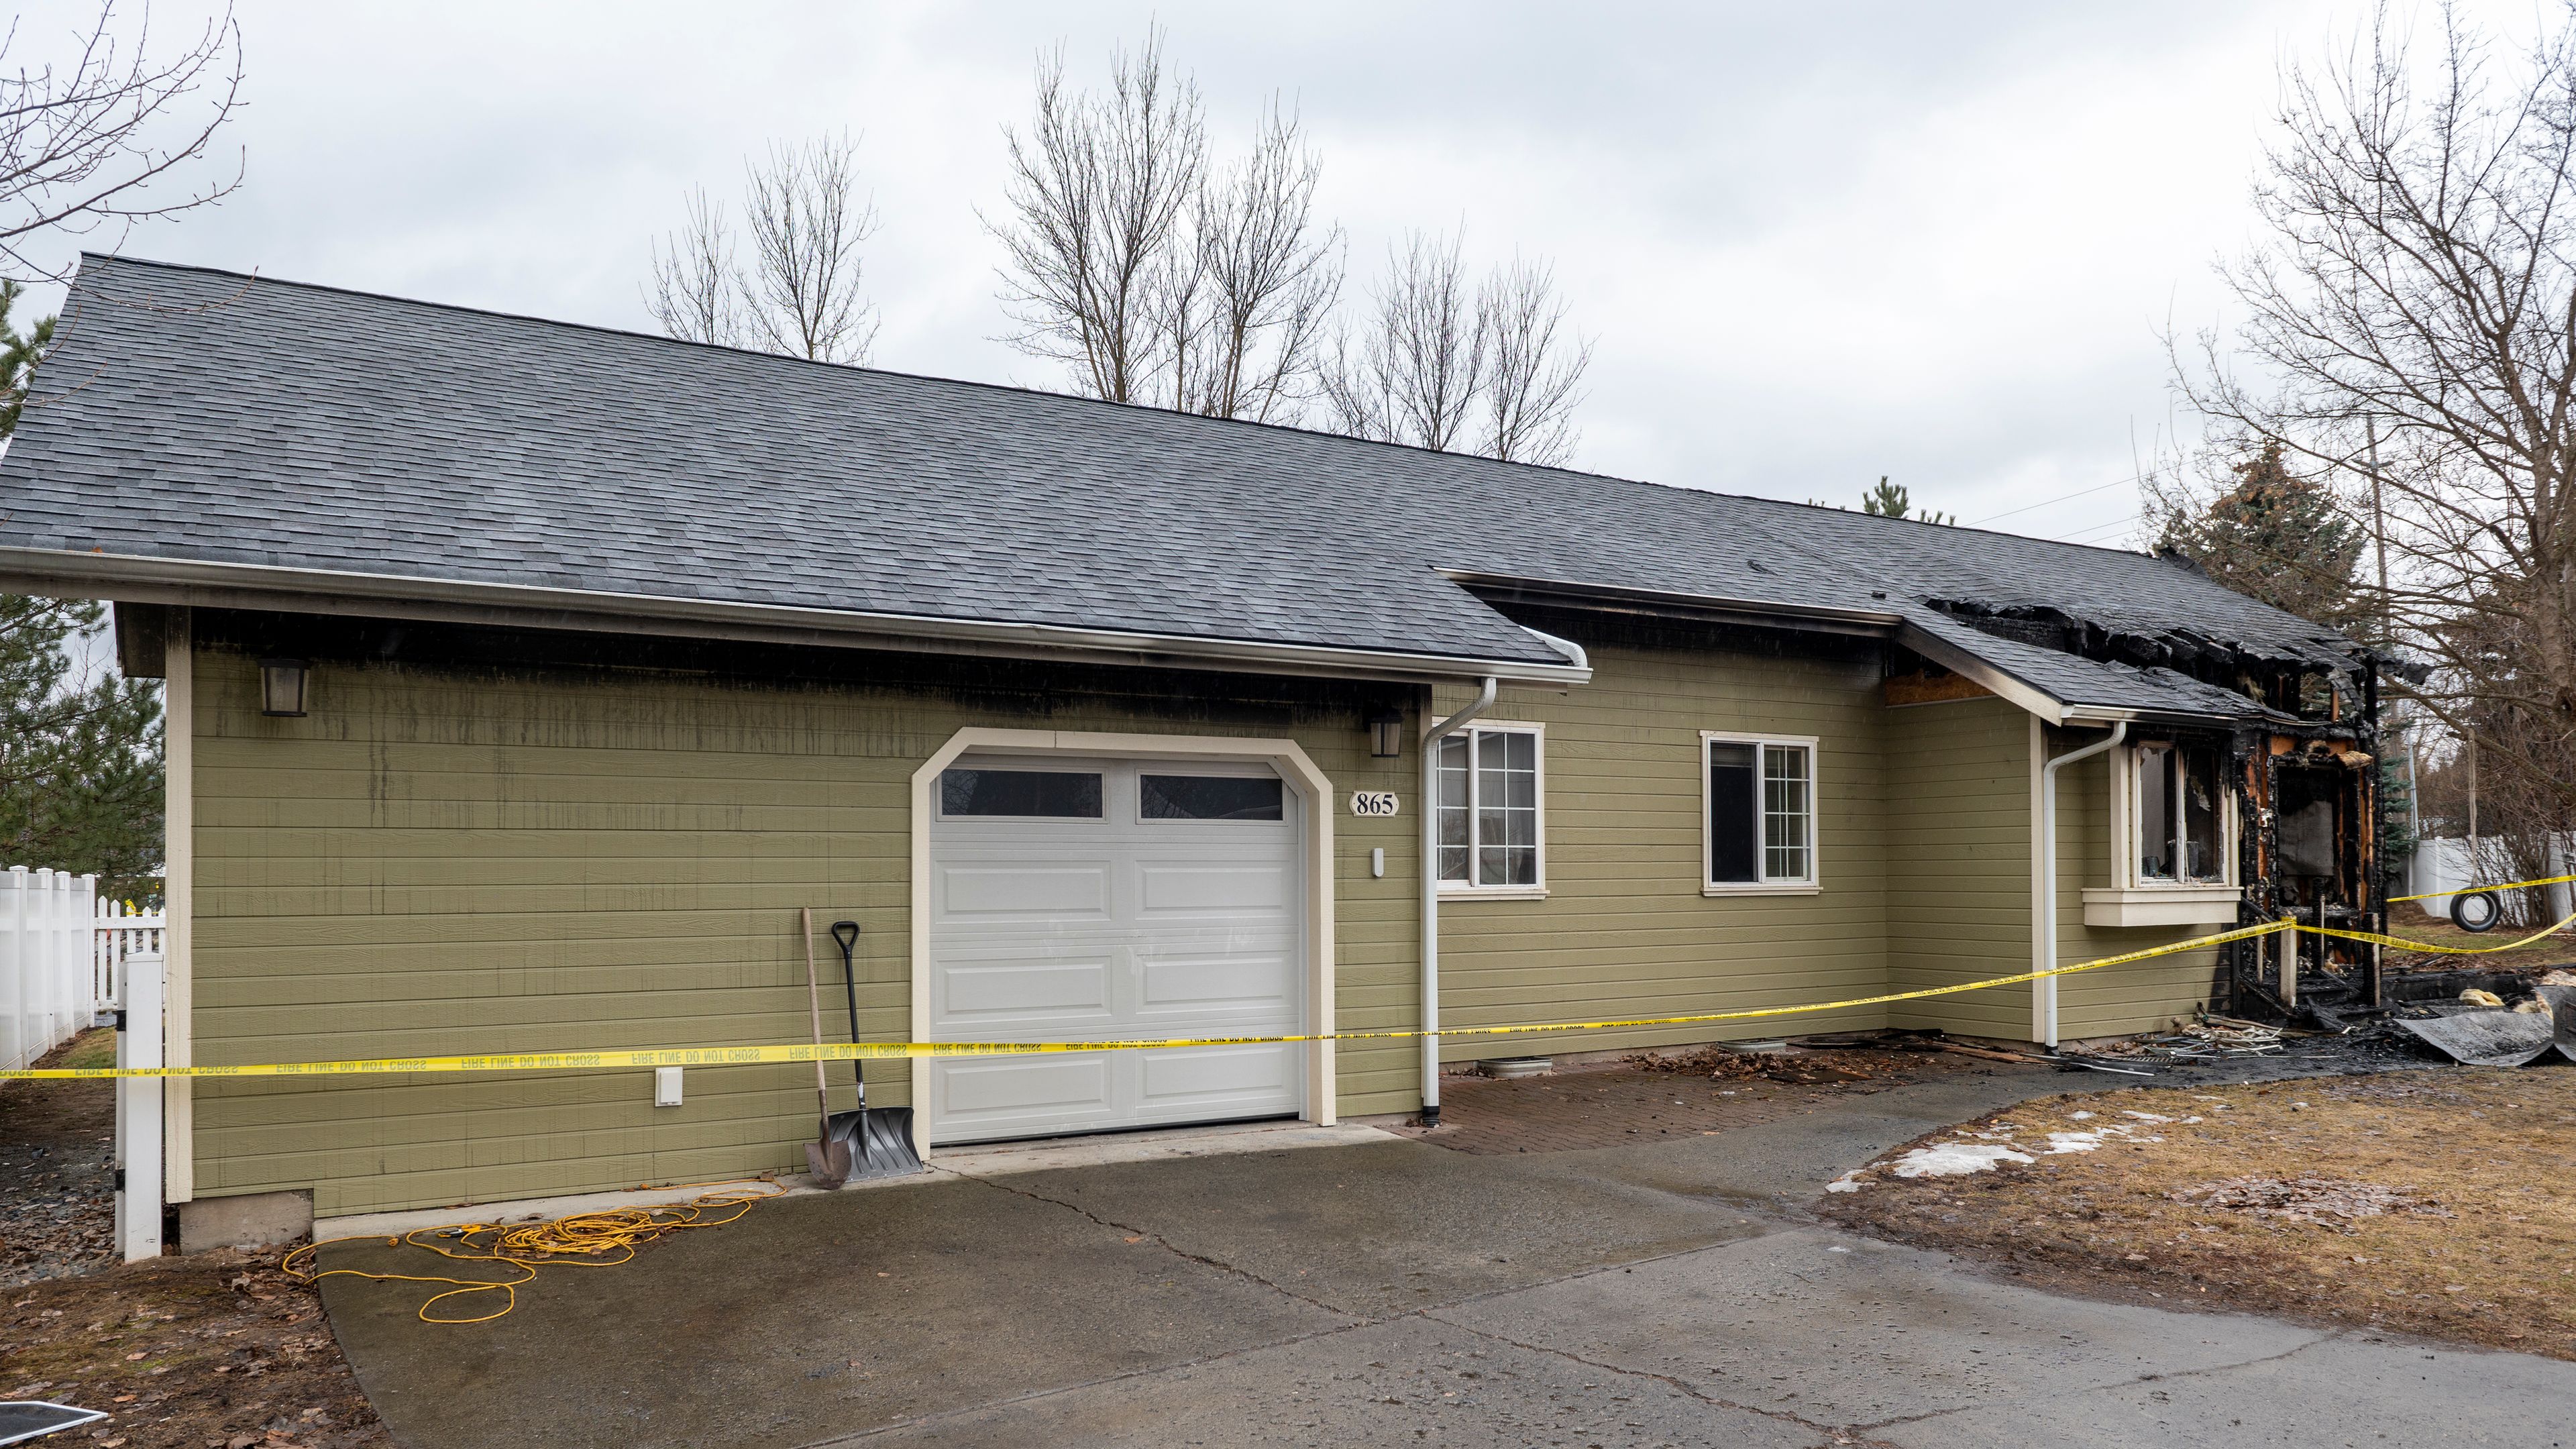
[(1386, 731), (281, 687)]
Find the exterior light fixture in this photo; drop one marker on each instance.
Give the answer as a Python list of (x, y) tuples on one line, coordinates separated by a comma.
[(1386, 731), (281, 687)]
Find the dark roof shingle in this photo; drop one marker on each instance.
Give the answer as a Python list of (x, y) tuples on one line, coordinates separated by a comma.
[(194, 414)]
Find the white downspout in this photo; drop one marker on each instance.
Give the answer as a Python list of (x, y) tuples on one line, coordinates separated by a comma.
[(1431, 739), (2048, 867)]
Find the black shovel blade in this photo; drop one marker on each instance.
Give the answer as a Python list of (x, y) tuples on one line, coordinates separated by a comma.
[(878, 1140)]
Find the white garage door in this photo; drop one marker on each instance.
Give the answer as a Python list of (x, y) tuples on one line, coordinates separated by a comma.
[(1090, 900)]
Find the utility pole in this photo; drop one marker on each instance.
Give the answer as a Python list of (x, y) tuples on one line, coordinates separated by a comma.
[(2379, 537)]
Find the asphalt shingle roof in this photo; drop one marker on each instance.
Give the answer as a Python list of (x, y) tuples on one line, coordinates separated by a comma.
[(196, 414)]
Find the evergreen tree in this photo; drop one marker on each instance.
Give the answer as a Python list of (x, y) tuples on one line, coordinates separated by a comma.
[(1889, 500), (18, 357), (2279, 538), (80, 748)]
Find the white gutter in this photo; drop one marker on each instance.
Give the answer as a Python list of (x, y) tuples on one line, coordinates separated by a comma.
[(2047, 852), (215, 584), (1572, 651), (1431, 739)]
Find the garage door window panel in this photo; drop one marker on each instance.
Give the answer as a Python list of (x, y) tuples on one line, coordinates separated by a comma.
[(1211, 797), (966, 794), (1492, 810)]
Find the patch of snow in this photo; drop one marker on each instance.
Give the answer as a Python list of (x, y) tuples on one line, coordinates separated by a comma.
[(2146, 1116), (1848, 1182), (1954, 1159), (2081, 1116)]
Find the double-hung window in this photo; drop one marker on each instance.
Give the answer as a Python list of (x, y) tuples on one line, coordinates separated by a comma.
[(1761, 813), (1491, 809)]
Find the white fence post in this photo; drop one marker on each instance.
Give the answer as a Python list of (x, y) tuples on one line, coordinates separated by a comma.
[(138, 1113), (14, 962), (40, 960)]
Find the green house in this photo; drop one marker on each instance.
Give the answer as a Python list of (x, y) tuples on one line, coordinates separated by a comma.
[(526, 681)]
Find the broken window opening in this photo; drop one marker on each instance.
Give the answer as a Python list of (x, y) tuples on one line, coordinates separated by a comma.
[(2179, 815)]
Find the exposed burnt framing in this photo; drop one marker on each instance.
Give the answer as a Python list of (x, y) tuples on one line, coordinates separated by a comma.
[(2304, 768), (2313, 794)]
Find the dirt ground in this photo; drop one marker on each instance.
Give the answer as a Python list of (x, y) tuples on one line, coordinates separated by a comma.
[(214, 1350), (57, 1174), (2439, 1202), (1653, 1095)]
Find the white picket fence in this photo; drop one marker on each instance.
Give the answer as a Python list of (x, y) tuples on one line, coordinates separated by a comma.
[(119, 932), (62, 958)]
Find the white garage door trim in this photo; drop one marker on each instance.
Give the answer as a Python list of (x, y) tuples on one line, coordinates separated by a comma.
[(1285, 756)]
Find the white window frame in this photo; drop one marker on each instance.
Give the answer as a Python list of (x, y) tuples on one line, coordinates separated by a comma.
[(1468, 889), (1814, 880), (2127, 819)]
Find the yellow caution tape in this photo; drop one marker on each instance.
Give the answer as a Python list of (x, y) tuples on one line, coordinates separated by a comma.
[(2474, 889), (737, 1056), (2400, 942)]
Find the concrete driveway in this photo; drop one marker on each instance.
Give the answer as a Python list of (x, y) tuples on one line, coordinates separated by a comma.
[(1342, 1287)]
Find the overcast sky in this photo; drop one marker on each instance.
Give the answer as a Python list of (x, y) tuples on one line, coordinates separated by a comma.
[(1817, 244)]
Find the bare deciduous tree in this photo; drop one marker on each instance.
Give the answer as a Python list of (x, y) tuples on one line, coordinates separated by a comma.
[(1152, 273), (800, 296), (1268, 275), (99, 142), (696, 293), (806, 221), (1535, 363), (1415, 366), (1100, 192), (1433, 362), (2410, 325)]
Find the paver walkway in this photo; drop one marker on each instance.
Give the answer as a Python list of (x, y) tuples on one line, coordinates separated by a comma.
[(1386, 1292)]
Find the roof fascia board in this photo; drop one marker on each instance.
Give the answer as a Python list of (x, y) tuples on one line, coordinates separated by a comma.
[(1709, 608), (324, 591), (1982, 671)]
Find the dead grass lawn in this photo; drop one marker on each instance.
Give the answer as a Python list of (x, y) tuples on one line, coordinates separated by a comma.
[(2409, 924), (2474, 1239)]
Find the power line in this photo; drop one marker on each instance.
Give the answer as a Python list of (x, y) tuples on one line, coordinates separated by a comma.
[(2088, 535), (2061, 498)]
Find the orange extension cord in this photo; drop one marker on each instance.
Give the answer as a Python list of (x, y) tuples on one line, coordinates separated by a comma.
[(601, 1239)]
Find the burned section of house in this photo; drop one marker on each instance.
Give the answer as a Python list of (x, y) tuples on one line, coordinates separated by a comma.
[(527, 682), (2279, 804)]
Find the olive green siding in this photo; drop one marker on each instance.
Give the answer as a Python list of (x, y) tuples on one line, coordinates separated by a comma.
[(1626, 931), (2116, 1000), (505, 856), (445, 861), (1958, 846)]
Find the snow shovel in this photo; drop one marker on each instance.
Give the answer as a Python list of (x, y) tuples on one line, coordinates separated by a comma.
[(828, 1159), (879, 1139)]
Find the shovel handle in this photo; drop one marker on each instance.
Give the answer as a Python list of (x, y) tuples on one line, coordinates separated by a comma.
[(845, 934), (814, 1004)]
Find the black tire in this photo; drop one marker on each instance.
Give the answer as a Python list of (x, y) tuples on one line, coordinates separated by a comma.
[(2476, 912)]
